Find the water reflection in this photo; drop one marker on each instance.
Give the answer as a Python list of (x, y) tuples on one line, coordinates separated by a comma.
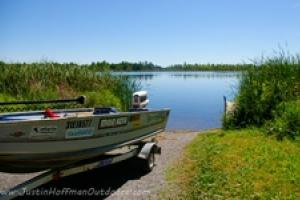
[(184, 75), (138, 75)]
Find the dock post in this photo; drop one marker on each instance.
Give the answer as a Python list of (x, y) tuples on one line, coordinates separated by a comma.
[(225, 109)]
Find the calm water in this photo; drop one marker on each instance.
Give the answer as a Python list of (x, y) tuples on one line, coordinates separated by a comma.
[(195, 98)]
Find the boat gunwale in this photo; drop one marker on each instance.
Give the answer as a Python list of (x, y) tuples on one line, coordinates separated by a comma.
[(70, 117)]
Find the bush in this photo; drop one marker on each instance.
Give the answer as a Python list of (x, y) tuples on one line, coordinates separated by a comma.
[(104, 98), (263, 87), (287, 121)]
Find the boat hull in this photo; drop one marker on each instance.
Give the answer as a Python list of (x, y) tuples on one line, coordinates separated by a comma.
[(39, 145)]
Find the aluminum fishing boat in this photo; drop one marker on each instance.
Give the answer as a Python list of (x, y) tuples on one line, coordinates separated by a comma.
[(40, 140)]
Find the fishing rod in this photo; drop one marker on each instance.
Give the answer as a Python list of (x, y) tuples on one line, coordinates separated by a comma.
[(79, 100)]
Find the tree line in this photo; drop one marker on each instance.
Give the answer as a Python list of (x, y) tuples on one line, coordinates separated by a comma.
[(145, 66)]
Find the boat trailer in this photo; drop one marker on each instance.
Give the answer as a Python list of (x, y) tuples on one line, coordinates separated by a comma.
[(143, 150)]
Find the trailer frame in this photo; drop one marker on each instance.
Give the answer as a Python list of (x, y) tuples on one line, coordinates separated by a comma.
[(143, 150)]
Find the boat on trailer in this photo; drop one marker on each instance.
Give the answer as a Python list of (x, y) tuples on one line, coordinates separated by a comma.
[(39, 140)]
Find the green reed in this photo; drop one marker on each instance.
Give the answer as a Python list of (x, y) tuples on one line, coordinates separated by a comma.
[(53, 80), (263, 87)]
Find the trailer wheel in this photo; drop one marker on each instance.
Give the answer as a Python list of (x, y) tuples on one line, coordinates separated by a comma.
[(148, 163)]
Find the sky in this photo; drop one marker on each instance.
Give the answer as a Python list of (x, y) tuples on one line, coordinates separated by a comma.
[(164, 32)]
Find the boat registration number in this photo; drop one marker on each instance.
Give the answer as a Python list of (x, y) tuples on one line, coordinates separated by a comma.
[(112, 122), (78, 133)]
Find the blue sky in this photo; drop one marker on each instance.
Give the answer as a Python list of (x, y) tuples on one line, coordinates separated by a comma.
[(161, 31)]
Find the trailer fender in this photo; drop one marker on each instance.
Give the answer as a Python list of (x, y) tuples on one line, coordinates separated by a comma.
[(147, 149)]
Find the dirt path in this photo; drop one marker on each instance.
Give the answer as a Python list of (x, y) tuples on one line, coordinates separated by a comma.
[(120, 181)]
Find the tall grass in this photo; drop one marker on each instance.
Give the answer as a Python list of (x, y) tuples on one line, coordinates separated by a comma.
[(263, 87), (53, 80)]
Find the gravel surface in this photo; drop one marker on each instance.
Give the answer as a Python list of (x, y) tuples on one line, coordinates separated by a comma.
[(124, 180), (8, 180), (148, 185)]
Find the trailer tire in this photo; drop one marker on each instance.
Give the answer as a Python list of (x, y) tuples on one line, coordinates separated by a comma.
[(148, 163)]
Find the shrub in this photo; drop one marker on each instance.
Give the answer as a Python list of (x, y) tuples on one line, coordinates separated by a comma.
[(263, 87), (287, 120), (105, 98)]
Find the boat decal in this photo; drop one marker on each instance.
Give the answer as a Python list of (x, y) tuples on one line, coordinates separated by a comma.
[(83, 123), (112, 122), (78, 133), (135, 120), (45, 131)]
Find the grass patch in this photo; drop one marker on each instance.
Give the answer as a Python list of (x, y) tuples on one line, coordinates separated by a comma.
[(242, 164)]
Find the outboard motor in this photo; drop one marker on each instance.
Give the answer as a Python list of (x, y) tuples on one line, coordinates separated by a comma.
[(140, 100)]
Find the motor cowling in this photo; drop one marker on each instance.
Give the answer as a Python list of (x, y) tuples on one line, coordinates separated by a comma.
[(140, 100)]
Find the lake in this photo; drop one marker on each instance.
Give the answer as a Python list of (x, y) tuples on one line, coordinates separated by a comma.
[(195, 98)]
